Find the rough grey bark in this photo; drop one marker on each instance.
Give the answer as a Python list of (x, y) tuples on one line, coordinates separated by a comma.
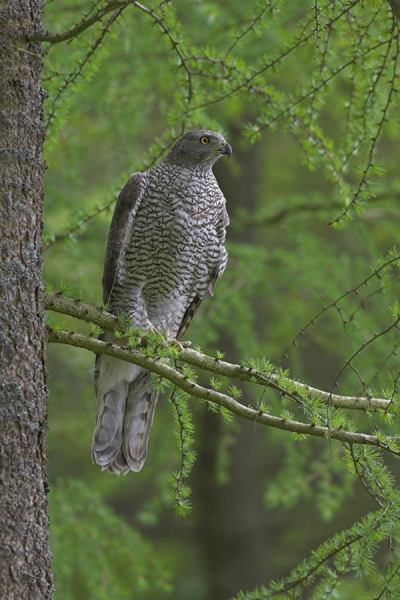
[(24, 548)]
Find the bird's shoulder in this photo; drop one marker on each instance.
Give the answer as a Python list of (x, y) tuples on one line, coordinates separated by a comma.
[(120, 229)]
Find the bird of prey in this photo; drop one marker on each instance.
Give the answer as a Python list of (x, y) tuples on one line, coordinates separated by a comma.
[(165, 250)]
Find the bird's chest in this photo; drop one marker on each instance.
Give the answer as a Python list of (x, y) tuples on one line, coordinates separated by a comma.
[(178, 215), (174, 235)]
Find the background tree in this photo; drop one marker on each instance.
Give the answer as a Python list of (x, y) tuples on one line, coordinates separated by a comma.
[(315, 88)]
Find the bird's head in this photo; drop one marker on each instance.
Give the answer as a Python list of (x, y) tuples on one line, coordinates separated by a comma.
[(199, 148)]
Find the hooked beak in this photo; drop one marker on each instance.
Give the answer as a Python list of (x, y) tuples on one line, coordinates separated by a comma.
[(226, 149)]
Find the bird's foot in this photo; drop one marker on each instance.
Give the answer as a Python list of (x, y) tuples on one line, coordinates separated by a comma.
[(180, 345), (175, 343)]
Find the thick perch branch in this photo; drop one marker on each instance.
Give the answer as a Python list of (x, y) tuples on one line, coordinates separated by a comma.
[(86, 312), (192, 388)]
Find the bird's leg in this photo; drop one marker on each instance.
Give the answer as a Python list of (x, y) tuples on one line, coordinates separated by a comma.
[(150, 327)]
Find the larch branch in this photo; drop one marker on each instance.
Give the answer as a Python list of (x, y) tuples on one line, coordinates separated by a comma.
[(56, 38), (210, 395), (86, 312)]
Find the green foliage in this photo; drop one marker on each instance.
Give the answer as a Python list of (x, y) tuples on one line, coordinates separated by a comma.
[(235, 392), (54, 323), (314, 88), (216, 384), (95, 329), (180, 492), (344, 553), (96, 554)]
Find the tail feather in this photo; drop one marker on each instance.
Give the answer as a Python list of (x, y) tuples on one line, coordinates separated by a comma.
[(123, 425), (107, 438), (119, 465), (111, 414), (139, 415)]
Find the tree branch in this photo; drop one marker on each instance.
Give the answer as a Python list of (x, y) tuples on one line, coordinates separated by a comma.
[(210, 395), (56, 38), (85, 312), (105, 320)]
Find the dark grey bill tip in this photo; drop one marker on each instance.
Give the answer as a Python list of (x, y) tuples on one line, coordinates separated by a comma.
[(226, 149)]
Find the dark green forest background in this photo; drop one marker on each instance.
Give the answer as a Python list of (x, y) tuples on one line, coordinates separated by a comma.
[(308, 136)]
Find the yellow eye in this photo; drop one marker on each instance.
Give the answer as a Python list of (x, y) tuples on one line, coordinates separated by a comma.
[(205, 140)]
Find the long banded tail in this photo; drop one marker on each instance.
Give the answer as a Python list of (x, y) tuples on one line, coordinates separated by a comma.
[(123, 425)]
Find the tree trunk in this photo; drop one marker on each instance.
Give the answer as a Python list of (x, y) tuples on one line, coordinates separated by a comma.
[(24, 545)]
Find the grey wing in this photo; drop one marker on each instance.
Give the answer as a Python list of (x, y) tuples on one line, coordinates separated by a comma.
[(118, 237), (120, 230), (221, 232), (214, 275)]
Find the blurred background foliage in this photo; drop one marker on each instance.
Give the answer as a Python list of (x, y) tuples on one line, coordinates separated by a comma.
[(305, 94)]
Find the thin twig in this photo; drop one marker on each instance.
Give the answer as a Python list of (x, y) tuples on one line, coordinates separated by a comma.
[(56, 38)]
